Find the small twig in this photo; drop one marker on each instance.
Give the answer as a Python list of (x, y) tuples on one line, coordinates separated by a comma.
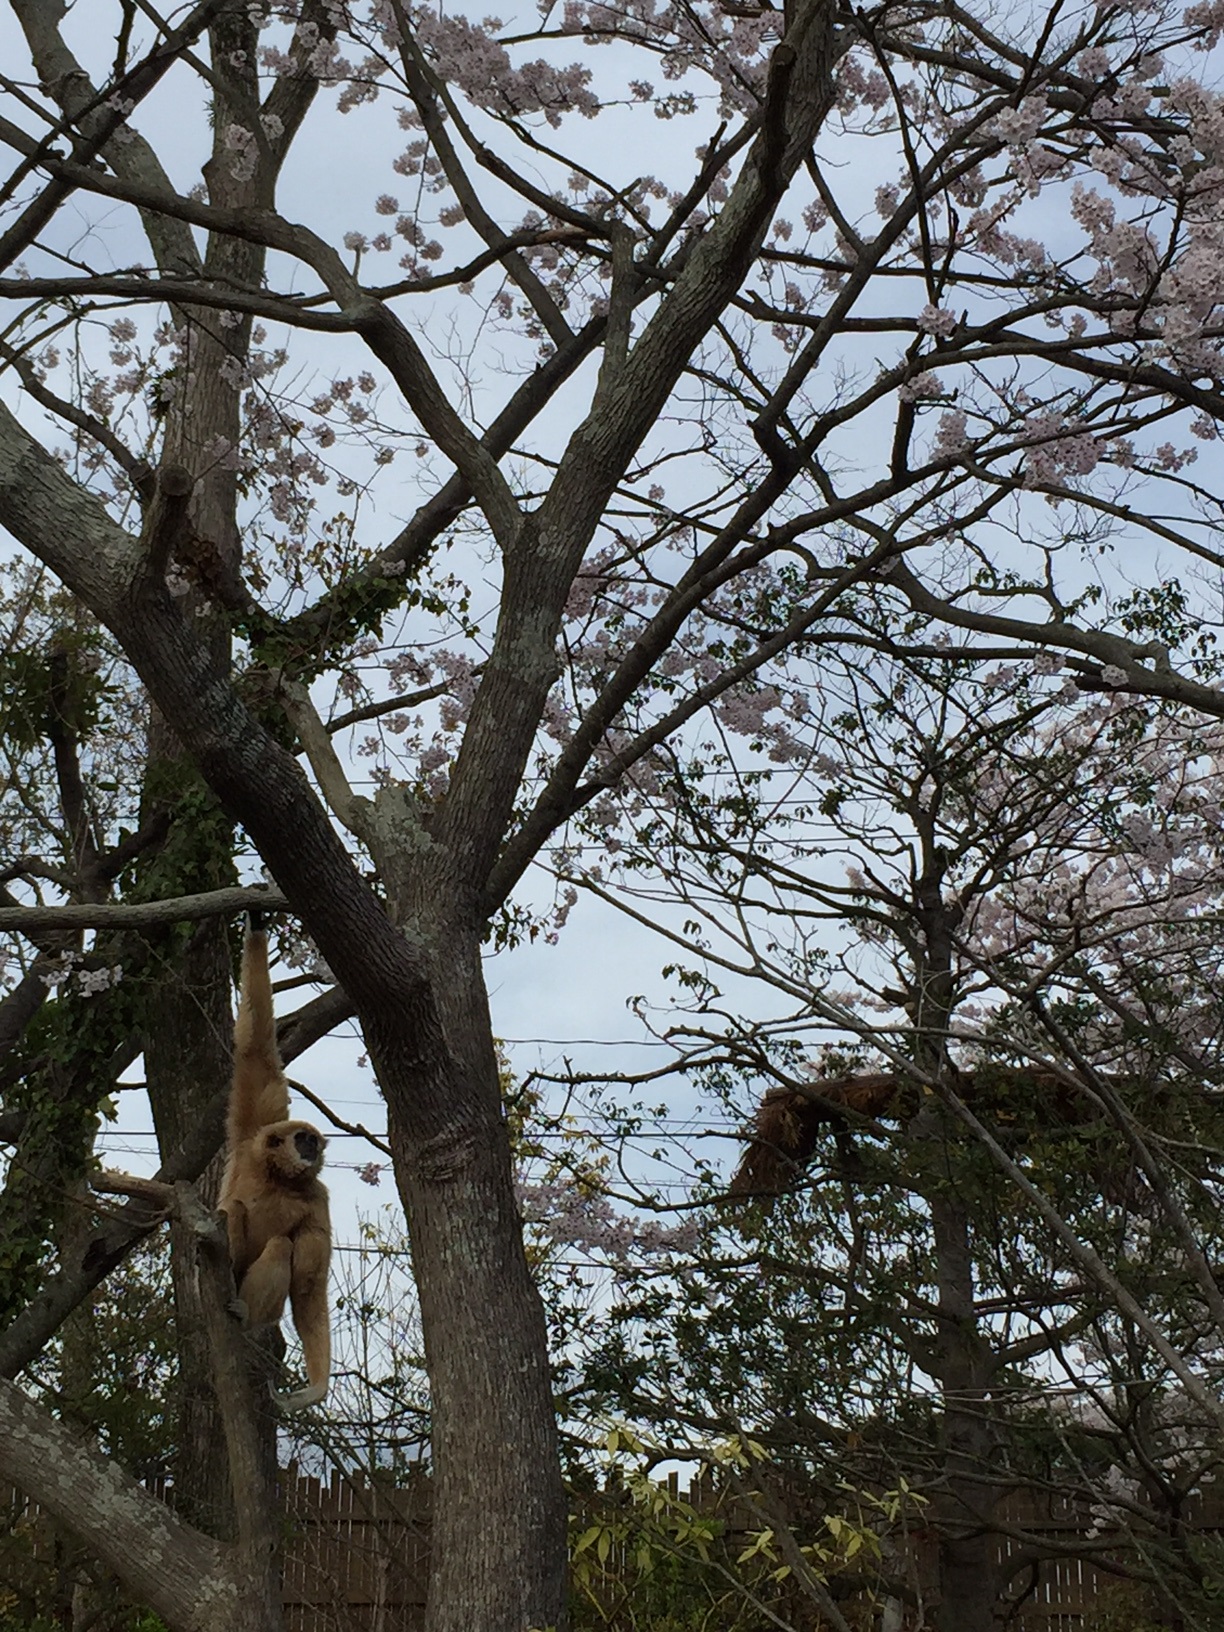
[(338, 1122), (390, 705), (93, 427)]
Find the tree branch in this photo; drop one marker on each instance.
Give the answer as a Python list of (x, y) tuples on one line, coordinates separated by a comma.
[(421, 86), (348, 808), (183, 909), (167, 528), (182, 1575), (1107, 649), (540, 570), (99, 117)]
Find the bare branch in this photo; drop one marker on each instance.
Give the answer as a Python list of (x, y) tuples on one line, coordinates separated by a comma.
[(166, 528), (389, 705), (134, 466), (183, 909), (538, 573), (99, 115), (425, 90), (1107, 649), (349, 809), (109, 1183)]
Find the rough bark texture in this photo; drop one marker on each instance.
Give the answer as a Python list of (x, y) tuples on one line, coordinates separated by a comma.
[(967, 1490), (187, 1064), (179, 1573), (242, 1374), (493, 1433)]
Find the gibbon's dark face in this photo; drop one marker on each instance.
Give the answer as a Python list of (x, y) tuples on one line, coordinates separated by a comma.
[(293, 1150)]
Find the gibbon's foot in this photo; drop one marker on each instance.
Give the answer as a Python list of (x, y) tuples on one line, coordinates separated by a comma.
[(300, 1398), (239, 1310)]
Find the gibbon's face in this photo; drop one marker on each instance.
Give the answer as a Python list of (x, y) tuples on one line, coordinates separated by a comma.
[(292, 1150)]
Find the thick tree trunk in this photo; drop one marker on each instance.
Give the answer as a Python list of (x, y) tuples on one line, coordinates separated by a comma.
[(493, 1432), (188, 1024), (965, 1488), (187, 1059), (968, 1576)]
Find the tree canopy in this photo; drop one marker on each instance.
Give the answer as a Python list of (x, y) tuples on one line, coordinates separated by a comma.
[(755, 459)]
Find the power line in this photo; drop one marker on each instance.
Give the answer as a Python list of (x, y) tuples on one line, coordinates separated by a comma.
[(663, 1127)]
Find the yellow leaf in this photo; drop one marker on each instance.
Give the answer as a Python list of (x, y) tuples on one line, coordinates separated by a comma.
[(587, 1537)]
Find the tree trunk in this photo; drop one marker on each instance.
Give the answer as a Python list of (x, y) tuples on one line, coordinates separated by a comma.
[(494, 1437), (968, 1578), (188, 1025), (965, 1491), (187, 1058)]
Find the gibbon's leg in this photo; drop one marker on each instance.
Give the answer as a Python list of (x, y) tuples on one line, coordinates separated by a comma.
[(259, 1094), (265, 1286), (308, 1297), (235, 1215)]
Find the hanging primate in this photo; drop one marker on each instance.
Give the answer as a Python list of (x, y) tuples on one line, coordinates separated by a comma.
[(275, 1207)]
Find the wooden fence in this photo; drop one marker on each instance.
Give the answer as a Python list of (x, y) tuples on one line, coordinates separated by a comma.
[(356, 1555)]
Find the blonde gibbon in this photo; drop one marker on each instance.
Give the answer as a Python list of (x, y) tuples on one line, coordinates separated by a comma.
[(275, 1206)]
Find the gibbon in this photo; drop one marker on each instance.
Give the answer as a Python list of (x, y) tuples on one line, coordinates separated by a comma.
[(275, 1207)]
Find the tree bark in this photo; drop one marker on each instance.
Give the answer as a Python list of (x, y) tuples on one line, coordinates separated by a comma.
[(965, 1490), (493, 1430), (179, 1573), (187, 1063)]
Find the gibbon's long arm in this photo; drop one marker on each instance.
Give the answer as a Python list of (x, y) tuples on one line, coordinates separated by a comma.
[(260, 1093)]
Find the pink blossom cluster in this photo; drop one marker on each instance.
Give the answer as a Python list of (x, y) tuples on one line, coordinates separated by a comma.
[(937, 321), (479, 66), (572, 1214), (86, 981), (1057, 447)]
